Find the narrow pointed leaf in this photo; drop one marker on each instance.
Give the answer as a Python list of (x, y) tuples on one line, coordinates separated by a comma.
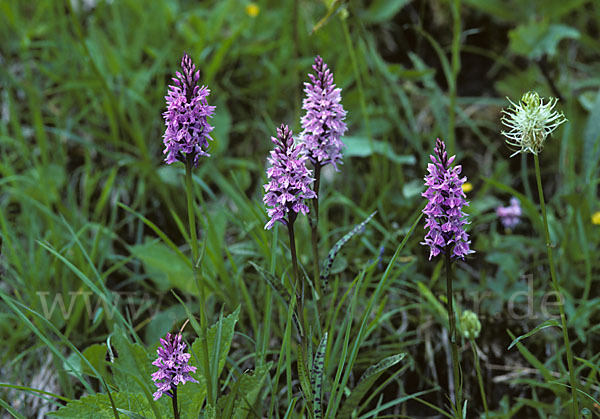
[(547, 323), (366, 381), (316, 377), (336, 248)]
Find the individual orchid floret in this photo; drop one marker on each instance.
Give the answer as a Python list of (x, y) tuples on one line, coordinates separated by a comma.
[(510, 216), (445, 217), (289, 179), (186, 117), (172, 363), (323, 124), (530, 121)]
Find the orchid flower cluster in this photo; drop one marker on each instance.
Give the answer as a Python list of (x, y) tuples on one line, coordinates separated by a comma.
[(444, 210), (289, 179), (323, 124), (173, 368), (188, 130)]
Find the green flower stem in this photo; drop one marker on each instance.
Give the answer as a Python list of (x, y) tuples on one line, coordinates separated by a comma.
[(291, 220), (199, 282), (314, 230), (298, 283), (298, 280), (175, 407), (479, 379), (453, 344), (563, 318)]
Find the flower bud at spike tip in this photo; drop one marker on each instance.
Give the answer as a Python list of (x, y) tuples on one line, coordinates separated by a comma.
[(188, 130), (470, 325), (446, 199), (289, 179), (323, 124), (172, 363), (530, 122)]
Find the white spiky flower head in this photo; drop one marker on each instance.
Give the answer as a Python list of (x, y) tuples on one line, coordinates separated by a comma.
[(530, 121)]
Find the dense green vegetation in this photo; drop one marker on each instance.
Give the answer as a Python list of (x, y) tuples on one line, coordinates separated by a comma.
[(95, 245)]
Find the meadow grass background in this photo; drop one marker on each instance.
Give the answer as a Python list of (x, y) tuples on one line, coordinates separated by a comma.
[(89, 212)]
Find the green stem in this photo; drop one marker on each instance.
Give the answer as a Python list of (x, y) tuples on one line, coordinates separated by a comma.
[(298, 280), (174, 400), (189, 166), (479, 379), (190, 207), (452, 325), (291, 220), (315, 232), (563, 318)]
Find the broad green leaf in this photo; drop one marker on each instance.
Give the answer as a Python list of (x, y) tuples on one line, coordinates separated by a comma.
[(520, 11), (382, 10), (132, 367), (192, 394), (249, 390), (591, 142), (412, 188), (166, 240), (496, 8), (131, 415), (165, 267), (98, 406), (95, 354), (547, 323), (366, 381), (222, 123), (362, 147), (536, 39)]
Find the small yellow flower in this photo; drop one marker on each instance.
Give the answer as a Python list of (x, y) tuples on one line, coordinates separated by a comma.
[(252, 9), (467, 187), (596, 218)]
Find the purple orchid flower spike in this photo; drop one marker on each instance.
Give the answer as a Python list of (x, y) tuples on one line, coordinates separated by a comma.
[(323, 124), (289, 179), (173, 368), (188, 130), (445, 217)]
